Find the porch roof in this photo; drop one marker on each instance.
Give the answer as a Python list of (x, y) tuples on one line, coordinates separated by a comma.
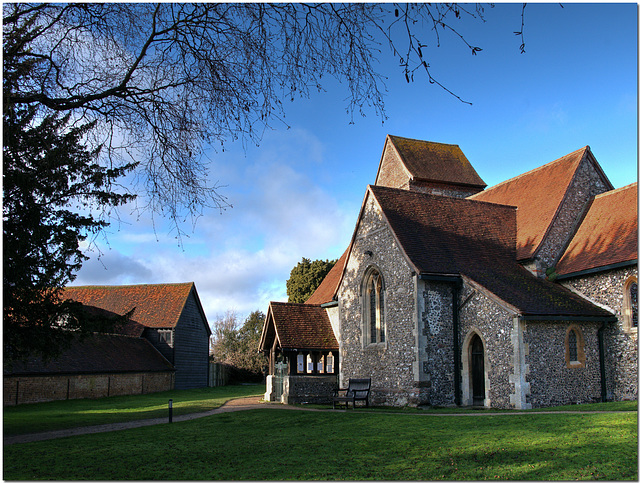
[(298, 326)]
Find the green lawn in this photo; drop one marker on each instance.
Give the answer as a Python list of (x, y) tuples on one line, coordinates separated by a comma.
[(280, 444), (33, 418)]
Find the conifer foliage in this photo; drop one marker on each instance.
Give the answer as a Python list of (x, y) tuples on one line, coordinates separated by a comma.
[(55, 194), (305, 278)]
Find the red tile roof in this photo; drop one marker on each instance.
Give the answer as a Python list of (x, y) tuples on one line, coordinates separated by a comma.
[(98, 353), (326, 291), (452, 236), (436, 162), (157, 305), (538, 195), (608, 234), (443, 235), (298, 326)]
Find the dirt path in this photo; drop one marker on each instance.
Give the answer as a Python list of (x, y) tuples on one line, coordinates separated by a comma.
[(241, 404)]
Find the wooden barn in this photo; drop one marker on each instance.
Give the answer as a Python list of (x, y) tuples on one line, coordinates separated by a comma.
[(163, 346), (169, 316)]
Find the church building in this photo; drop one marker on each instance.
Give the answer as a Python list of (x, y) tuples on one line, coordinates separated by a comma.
[(450, 293)]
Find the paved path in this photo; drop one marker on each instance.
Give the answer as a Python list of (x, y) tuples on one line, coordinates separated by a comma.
[(243, 404)]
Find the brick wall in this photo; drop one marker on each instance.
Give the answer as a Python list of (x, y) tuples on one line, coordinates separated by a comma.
[(33, 389)]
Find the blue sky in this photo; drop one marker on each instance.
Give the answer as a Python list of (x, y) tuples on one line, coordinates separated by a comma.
[(298, 194)]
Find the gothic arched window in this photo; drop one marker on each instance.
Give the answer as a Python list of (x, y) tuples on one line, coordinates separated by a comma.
[(630, 304), (574, 347), (374, 308), (633, 297)]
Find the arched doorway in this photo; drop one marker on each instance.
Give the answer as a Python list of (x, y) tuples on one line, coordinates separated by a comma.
[(476, 350)]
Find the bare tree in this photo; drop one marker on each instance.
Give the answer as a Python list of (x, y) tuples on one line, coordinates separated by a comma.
[(164, 81), (149, 88)]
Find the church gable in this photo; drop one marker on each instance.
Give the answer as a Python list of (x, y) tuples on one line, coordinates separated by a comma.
[(549, 200), (427, 167), (326, 291), (297, 326), (376, 296), (443, 235), (608, 234), (453, 237)]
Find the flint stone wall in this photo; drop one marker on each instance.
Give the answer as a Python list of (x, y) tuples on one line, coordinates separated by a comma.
[(621, 344), (479, 314), (389, 365), (434, 368), (552, 382), (309, 389), (587, 183)]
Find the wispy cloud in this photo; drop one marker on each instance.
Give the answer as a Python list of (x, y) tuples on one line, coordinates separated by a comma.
[(241, 259)]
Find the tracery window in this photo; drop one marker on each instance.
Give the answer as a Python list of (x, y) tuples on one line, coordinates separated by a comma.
[(374, 308)]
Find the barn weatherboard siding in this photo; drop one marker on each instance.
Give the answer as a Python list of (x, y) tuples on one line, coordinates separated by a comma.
[(191, 347)]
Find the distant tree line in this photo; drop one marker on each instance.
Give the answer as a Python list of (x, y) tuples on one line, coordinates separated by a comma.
[(237, 346)]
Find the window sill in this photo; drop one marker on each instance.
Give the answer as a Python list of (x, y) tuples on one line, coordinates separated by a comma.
[(376, 346)]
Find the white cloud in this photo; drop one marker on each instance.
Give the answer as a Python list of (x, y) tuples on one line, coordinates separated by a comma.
[(113, 268), (241, 259)]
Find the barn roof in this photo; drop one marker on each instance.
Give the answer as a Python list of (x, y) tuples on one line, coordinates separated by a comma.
[(298, 326), (453, 237), (98, 353), (153, 305), (435, 162), (608, 234), (538, 194), (326, 291)]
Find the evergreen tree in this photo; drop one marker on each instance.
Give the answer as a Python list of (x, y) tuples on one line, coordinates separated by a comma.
[(305, 278), (47, 173)]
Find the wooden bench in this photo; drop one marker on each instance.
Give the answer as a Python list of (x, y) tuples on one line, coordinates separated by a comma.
[(358, 390)]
